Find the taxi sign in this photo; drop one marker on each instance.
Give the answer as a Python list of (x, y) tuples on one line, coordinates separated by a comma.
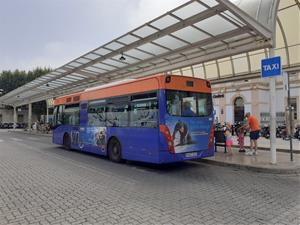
[(271, 67)]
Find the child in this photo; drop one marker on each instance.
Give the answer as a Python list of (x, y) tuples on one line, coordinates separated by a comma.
[(241, 136), (229, 142)]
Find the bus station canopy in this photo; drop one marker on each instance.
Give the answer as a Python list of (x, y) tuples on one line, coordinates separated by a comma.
[(195, 32)]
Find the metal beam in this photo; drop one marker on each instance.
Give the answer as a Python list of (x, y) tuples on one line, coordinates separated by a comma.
[(250, 21), (196, 60), (82, 71)]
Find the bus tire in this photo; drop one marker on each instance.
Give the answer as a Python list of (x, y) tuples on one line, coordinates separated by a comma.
[(115, 151), (67, 142)]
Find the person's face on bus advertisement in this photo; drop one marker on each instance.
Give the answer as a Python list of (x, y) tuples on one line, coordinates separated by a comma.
[(181, 130)]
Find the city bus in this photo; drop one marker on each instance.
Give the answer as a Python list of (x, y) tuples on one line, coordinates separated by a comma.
[(157, 119)]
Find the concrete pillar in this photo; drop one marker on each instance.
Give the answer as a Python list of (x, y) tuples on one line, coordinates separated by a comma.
[(47, 114), (29, 116), (15, 117)]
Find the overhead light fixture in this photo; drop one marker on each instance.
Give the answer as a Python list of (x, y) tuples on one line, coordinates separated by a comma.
[(122, 58)]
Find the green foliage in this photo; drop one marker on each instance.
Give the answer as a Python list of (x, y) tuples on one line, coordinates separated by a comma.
[(10, 80)]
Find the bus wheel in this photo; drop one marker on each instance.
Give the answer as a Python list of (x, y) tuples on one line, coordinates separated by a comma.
[(67, 142), (115, 151)]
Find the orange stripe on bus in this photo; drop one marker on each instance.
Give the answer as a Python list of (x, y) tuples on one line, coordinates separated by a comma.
[(141, 85)]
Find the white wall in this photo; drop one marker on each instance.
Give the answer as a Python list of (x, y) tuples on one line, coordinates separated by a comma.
[(217, 110), (229, 114), (280, 100), (248, 108), (228, 97), (264, 96), (246, 95), (8, 115), (264, 107)]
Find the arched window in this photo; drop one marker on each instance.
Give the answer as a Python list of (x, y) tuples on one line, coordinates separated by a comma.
[(239, 109)]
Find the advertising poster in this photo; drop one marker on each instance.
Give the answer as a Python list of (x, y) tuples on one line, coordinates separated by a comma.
[(189, 134), (95, 136)]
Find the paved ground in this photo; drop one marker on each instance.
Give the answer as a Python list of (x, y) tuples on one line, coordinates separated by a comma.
[(43, 184)]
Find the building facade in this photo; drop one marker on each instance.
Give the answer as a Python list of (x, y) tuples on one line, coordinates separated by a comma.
[(232, 100)]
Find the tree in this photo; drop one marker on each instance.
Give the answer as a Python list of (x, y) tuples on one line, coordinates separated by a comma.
[(10, 80)]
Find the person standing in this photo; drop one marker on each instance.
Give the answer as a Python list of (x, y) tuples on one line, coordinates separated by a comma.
[(254, 126), (241, 135), (229, 142)]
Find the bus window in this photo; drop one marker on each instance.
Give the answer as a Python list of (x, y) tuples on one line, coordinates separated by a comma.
[(96, 114), (55, 115), (188, 104), (174, 106), (71, 114), (174, 102), (111, 118), (204, 104), (121, 114), (144, 114), (117, 114), (59, 117)]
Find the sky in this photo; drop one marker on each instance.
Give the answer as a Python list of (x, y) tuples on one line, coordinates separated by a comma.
[(50, 33)]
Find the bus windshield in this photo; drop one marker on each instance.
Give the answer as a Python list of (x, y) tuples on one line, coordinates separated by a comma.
[(188, 104)]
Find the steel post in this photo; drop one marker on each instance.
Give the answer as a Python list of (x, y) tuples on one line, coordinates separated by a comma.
[(272, 86)]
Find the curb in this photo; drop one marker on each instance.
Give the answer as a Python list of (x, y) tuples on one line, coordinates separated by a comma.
[(252, 168)]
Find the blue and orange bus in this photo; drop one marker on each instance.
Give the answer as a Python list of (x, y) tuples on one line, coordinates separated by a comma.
[(157, 119)]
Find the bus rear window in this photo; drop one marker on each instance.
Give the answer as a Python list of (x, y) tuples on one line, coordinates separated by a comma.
[(188, 104)]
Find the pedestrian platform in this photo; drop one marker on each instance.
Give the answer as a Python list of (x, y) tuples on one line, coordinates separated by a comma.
[(264, 144), (259, 163)]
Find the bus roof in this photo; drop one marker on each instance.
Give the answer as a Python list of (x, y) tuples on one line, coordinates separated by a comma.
[(141, 85)]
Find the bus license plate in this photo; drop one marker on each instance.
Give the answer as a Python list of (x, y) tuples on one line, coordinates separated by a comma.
[(190, 154)]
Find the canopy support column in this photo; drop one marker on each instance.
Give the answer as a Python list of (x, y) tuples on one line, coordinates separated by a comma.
[(15, 117), (272, 86), (29, 116), (47, 113)]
